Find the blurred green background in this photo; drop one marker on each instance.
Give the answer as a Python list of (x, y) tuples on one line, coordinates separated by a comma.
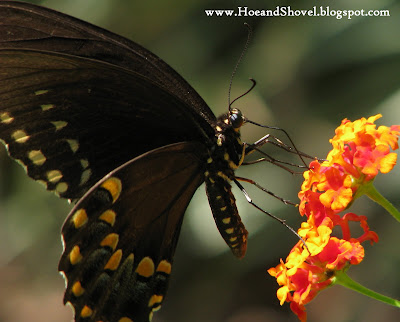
[(311, 73)]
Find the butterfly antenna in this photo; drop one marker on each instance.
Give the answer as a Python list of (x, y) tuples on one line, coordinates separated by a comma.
[(245, 93), (249, 34)]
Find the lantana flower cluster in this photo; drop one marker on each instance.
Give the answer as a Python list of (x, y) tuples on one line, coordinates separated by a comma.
[(360, 151)]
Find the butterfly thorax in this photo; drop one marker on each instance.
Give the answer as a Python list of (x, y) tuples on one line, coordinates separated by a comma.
[(227, 149), (226, 155)]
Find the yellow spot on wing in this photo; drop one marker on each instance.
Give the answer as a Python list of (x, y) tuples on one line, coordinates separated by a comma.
[(164, 266), (114, 260), (75, 255), (145, 267), (85, 176), (46, 107), (111, 240), (114, 187), (155, 299), (54, 175), (61, 187), (59, 124), (37, 157), (86, 312), (20, 136), (79, 218), (41, 91), (77, 289), (125, 319), (84, 163), (6, 118), (73, 144), (108, 216)]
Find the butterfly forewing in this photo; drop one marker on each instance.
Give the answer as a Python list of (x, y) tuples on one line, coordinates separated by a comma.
[(24, 25), (121, 236), (74, 120)]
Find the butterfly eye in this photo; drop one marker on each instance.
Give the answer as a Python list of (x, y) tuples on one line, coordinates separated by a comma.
[(236, 118)]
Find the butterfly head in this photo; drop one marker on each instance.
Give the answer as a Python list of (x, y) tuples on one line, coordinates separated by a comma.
[(236, 118)]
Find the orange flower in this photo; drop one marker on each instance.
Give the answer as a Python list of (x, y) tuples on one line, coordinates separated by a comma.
[(302, 276), (368, 148), (359, 152)]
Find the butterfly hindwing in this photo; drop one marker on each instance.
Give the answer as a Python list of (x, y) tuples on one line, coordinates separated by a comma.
[(121, 236)]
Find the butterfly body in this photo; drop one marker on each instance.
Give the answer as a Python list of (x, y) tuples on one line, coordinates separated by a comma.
[(226, 156), (104, 122)]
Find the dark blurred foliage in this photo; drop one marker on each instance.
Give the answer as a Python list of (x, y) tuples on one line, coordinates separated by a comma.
[(311, 73)]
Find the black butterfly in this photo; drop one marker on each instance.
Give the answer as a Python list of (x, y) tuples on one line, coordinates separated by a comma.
[(104, 122)]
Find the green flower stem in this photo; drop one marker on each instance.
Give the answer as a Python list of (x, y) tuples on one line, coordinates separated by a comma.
[(343, 279), (373, 194)]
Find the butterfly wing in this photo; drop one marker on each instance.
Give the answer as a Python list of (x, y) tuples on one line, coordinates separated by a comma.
[(71, 120), (24, 25), (120, 238), (78, 101)]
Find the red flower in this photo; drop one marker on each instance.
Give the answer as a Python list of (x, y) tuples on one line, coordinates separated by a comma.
[(359, 152), (302, 276)]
